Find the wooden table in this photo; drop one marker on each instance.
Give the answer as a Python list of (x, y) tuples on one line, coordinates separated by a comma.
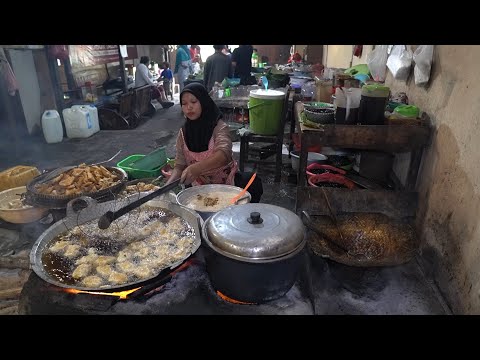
[(388, 138)]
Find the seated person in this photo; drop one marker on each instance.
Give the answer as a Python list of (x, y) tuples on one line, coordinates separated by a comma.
[(204, 147), (144, 77)]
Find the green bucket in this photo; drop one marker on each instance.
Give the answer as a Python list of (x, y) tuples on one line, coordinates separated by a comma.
[(265, 111)]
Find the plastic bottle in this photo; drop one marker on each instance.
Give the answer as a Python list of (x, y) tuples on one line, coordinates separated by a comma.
[(255, 59), (52, 126)]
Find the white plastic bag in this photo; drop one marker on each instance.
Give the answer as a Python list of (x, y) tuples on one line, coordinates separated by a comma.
[(400, 61), (377, 62), (423, 57)]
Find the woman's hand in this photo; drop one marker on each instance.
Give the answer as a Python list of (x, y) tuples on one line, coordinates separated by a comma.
[(176, 174), (190, 174)]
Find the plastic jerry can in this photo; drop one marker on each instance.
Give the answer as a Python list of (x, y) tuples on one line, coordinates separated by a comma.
[(94, 113), (52, 126), (92, 109), (78, 122)]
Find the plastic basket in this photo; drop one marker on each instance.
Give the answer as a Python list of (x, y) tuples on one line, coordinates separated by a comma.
[(156, 158), (136, 173)]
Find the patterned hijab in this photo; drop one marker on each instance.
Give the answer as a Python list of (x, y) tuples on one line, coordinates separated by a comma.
[(197, 133)]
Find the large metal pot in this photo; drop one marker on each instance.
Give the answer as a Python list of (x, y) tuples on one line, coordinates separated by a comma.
[(186, 196), (85, 209), (254, 251)]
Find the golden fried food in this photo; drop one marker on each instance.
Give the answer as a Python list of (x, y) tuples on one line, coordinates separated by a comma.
[(117, 278), (139, 187), (79, 180), (81, 271), (92, 281), (104, 271)]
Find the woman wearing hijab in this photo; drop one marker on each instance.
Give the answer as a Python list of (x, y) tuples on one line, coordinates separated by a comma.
[(204, 146), (183, 63)]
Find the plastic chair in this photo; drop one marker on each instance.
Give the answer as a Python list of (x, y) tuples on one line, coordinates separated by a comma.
[(175, 87)]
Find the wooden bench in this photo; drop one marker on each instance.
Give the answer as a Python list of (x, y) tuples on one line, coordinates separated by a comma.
[(131, 107), (143, 102), (118, 116)]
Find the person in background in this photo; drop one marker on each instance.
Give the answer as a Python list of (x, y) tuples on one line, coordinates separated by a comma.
[(226, 50), (167, 76), (295, 58), (204, 146), (242, 63), (196, 58), (195, 54), (144, 77), (217, 67), (183, 64)]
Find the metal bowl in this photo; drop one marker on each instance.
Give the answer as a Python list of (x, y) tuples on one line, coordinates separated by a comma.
[(320, 115), (317, 105), (19, 216), (185, 197)]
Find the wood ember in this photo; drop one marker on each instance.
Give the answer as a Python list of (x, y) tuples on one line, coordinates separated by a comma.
[(11, 310), (13, 278), (13, 293), (8, 303), (14, 273), (14, 262)]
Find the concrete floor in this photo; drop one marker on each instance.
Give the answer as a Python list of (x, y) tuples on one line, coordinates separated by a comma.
[(337, 289)]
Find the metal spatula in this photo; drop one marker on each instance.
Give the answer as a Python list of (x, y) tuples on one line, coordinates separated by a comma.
[(110, 216), (332, 215)]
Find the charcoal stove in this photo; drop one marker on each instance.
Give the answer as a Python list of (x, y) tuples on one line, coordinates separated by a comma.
[(185, 291)]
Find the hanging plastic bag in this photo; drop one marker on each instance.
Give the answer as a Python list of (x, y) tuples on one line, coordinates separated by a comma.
[(423, 57), (377, 62), (400, 61)]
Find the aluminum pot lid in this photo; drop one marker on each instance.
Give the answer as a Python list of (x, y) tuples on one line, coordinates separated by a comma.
[(255, 231)]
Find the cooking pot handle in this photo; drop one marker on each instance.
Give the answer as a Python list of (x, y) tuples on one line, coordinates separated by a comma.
[(80, 203), (309, 224), (200, 223), (305, 215), (254, 106)]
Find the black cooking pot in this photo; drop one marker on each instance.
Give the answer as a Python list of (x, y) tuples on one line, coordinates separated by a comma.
[(254, 251)]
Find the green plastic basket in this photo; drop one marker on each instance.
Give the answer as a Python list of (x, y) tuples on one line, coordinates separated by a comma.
[(156, 158), (133, 172)]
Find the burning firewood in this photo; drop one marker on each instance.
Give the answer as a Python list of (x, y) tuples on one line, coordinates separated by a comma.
[(14, 262), (10, 293)]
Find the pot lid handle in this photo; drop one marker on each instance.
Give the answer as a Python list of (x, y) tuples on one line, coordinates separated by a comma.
[(255, 218)]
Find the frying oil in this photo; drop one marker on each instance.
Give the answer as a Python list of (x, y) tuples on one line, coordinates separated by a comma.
[(150, 239)]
